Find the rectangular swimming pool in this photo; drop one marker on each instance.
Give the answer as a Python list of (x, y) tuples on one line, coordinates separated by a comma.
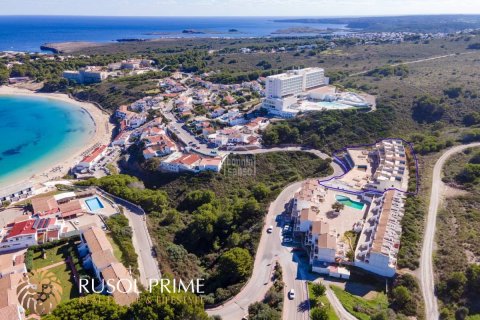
[(349, 202), (94, 204)]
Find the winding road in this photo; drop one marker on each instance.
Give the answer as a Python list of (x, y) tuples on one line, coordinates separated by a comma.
[(270, 250), (147, 263), (427, 278)]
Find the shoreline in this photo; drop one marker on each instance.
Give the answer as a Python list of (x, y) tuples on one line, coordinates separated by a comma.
[(102, 132)]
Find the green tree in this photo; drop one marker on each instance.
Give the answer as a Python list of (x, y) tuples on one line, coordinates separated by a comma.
[(158, 305), (337, 206), (4, 74), (401, 296), (318, 289), (262, 311), (90, 307), (196, 198), (235, 265), (427, 109), (318, 314), (456, 285), (260, 191)]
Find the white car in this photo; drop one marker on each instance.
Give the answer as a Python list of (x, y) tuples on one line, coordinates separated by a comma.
[(291, 294), (270, 229)]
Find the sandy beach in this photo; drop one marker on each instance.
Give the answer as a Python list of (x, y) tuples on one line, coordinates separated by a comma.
[(56, 170)]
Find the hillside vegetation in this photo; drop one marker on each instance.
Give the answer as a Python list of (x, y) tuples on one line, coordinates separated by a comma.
[(208, 225)]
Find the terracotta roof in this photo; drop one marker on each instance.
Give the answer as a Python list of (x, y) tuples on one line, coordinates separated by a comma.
[(116, 273), (95, 153), (22, 228), (382, 223), (96, 239), (308, 214), (187, 159), (210, 162), (327, 241), (103, 259), (70, 208), (320, 227), (44, 204), (9, 312), (8, 286)]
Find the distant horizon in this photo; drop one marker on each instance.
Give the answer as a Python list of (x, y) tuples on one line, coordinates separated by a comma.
[(239, 8), (242, 16)]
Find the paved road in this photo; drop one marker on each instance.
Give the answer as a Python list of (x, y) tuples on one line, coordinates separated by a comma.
[(270, 249), (426, 263), (280, 149), (147, 264), (341, 312)]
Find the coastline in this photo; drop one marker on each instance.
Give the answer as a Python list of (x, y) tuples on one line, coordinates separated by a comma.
[(44, 172)]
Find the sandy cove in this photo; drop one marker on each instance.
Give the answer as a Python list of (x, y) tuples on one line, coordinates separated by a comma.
[(102, 135)]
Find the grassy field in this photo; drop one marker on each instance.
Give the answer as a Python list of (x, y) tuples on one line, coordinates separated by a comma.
[(53, 255), (321, 301), (63, 272), (359, 307), (457, 237), (116, 249), (64, 275)]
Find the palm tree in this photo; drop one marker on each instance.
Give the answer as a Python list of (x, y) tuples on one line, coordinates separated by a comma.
[(337, 206)]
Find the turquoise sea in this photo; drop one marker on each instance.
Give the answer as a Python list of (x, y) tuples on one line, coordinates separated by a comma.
[(36, 133)]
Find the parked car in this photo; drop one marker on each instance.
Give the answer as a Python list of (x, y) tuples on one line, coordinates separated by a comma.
[(286, 227), (154, 252), (287, 239), (291, 294), (270, 229)]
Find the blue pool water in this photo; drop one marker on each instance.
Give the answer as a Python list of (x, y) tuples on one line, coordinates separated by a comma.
[(349, 202), (36, 133), (94, 204)]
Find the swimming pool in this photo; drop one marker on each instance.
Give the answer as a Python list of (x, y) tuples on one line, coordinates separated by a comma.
[(94, 204), (349, 202)]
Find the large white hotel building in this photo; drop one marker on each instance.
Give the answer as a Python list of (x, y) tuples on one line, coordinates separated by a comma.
[(282, 89)]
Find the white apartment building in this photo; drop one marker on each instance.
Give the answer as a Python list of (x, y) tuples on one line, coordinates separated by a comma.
[(23, 234), (294, 82), (86, 75), (282, 89), (379, 240), (389, 161)]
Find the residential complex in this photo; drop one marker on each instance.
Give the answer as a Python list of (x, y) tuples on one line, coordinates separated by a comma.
[(191, 162), (375, 168), (379, 240), (97, 254), (28, 232), (372, 195)]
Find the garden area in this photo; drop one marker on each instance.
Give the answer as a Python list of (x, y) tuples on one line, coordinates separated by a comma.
[(51, 259), (319, 305)]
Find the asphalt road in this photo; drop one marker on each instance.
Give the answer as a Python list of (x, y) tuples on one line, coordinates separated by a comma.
[(270, 249), (426, 262), (147, 263)]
